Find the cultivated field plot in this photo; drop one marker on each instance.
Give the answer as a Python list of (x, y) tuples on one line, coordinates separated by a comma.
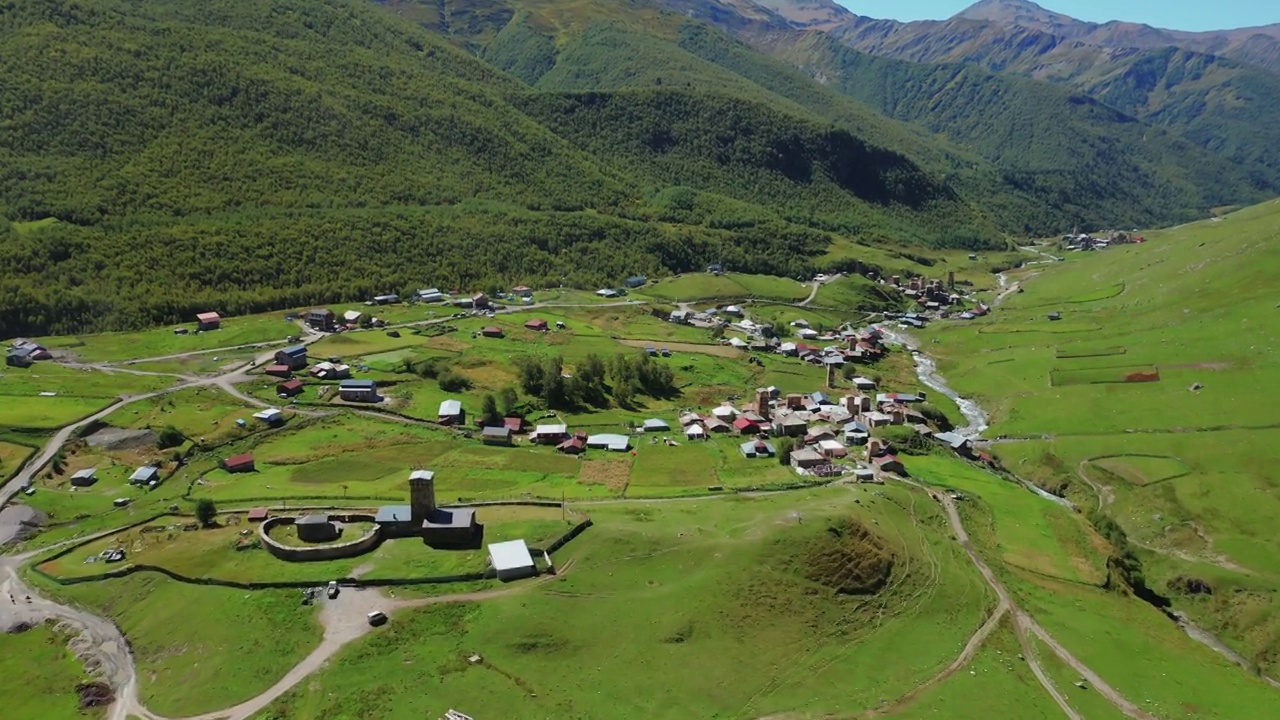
[(1085, 350), (693, 287), (114, 347), (41, 413), (1103, 375), (745, 590), (12, 456), (204, 414)]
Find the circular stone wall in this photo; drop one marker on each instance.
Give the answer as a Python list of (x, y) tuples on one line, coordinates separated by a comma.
[(364, 544)]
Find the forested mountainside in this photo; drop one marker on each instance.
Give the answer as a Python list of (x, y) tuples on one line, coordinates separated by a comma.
[(1216, 89), (158, 158)]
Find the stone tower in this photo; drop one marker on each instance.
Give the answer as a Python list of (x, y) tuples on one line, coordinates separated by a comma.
[(422, 494), (762, 402)]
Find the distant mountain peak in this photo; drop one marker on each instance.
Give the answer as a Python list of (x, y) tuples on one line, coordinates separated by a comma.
[(1015, 12), (808, 13)]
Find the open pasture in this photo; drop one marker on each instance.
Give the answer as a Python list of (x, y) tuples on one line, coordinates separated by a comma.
[(717, 585), (44, 674), (695, 287), (129, 346)]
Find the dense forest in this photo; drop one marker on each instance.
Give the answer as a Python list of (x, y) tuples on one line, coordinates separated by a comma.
[(160, 158)]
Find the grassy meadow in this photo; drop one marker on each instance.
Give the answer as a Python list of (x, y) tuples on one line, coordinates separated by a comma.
[(656, 590), (39, 663), (696, 287), (1182, 463), (159, 342)]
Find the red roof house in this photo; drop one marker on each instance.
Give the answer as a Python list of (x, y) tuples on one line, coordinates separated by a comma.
[(537, 324), (289, 388), (514, 424), (208, 320), (238, 463), (278, 370), (572, 446), (258, 514), (745, 426), (492, 332)]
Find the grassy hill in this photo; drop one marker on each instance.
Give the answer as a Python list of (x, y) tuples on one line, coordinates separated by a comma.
[(1176, 462)]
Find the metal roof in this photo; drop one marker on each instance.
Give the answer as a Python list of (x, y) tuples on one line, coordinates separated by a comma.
[(422, 475), (357, 385), (451, 407), (510, 555), (146, 472), (394, 513)]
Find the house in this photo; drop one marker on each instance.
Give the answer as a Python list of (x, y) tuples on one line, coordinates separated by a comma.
[(635, 281), (289, 388), (522, 291), (270, 416), (745, 426), (451, 413), (145, 475), (690, 418), (655, 425), (807, 333), (959, 443), (695, 432), (293, 357), (316, 528), (430, 295), (883, 398), (19, 357), (715, 425), (889, 463), (609, 441), (805, 458), (537, 325), (492, 332), (607, 293), (855, 433), (388, 299), (733, 310), (800, 323), (278, 370), (680, 316), (238, 463), (331, 371), (789, 349), (832, 449), (549, 434), (499, 435), (864, 475), (572, 446), (821, 398), (511, 560), (790, 426), (738, 343), (358, 391), (725, 412), (84, 478), (876, 419), (480, 300), (319, 319), (352, 317), (756, 449), (208, 321), (257, 514), (864, 383)]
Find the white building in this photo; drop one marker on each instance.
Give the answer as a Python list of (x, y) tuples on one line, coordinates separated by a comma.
[(511, 560)]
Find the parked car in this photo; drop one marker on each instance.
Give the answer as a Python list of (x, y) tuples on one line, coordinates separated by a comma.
[(332, 590), (377, 617)]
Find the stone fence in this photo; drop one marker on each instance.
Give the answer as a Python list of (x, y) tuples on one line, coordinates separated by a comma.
[(292, 553)]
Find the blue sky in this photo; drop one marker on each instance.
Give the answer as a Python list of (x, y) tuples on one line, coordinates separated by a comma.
[(1173, 14)]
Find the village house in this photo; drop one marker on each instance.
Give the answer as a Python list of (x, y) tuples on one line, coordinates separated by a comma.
[(725, 413), (238, 463), (855, 433), (208, 321), (635, 281), (889, 464), (480, 300), (806, 458), (316, 528), (352, 318), (430, 295), (289, 388), (514, 423), (492, 332), (832, 449), (496, 435), (655, 425), (745, 426), (451, 413), (609, 441), (537, 325), (549, 434), (607, 293), (278, 370), (695, 432), (690, 418), (330, 371), (358, 391), (958, 443), (862, 383), (387, 299), (19, 357), (270, 416), (876, 419), (511, 560), (573, 446), (319, 319), (84, 478), (523, 291), (714, 424), (680, 316), (790, 425), (757, 449), (145, 476), (293, 357), (257, 514)]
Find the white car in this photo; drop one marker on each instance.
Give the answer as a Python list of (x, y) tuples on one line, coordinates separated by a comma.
[(377, 617), (332, 590)]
